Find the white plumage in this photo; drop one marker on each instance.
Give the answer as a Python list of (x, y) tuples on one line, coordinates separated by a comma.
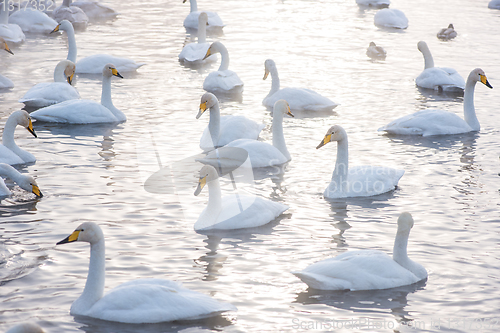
[(33, 21), (191, 21), (10, 153), (194, 53), (73, 14), (26, 182), (222, 81), (9, 31), (391, 18)]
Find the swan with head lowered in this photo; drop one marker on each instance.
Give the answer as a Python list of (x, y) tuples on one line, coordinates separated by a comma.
[(223, 130), (191, 21), (299, 99), (5, 82), (48, 93), (9, 31), (84, 111), (137, 301), (93, 64), (367, 269), (222, 81), (25, 182), (194, 53), (442, 79), (234, 211), (440, 122), (10, 153), (358, 181)]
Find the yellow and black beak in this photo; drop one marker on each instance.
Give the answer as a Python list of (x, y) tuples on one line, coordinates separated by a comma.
[(203, 108), (266, 74), (484, 80), (325, 140), (56, 29), (114, 71), (6, 47), (36, 190), (289, 112), (209, 53), (71, 238), (201, 184), (30, 128), (70, 78)]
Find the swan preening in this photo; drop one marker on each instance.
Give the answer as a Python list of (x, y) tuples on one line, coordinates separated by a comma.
[(214, 23), (84, 111), (25, 182), (222, 81), (26, 328), (93, 64), (390, 18), (447, 33), (442, 79), (367, 269), (194, 53), (374, 3), (358, 181), (9, 31), (234, 211), (137, 301), (375, 52), (439, 122), (33, 21), (48, 93), (223, 130), (10, 153), (299, 99), (5, 82)]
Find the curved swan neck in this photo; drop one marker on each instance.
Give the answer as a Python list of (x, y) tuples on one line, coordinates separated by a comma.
[(202, 31), (9, 172), (194, 5), (214, 124), (4, 14), (94, 287), (59, 73), (278, 136), (224, 64), (429, 61), (8, 134), (275, 84), (469, 110), (341, 171), (72, 50), (214, 205)]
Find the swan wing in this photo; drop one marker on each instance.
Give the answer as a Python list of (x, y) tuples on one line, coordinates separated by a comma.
[(300, 99), (75, 112), (225, 81), (33, 21), (435, 77), (95, 63), (261, 154), (48, 93)]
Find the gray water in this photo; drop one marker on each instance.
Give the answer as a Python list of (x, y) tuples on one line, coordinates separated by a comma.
[(97, 173)]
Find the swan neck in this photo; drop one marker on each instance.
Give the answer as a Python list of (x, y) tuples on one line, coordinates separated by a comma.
[(4, 14), (9, 172), (194, 5), (399, 253), (202, 31), (469, 110), (59, 74), (429, 61), (224, 64), (214, 124), (341, 171), (106, 93), (214, 205), (94, 287), (275, 85), (72, 51), (278, 135), (8, 134)]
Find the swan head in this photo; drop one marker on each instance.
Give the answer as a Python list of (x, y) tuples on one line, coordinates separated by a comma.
[(334, 133), (4, 46), (68, 68), (268, 65), (216, 47), (64, 25), (479, 75), (203, 18), (23, 119), (207, 174), (89, 232), (26, 328), (422, 46), (282, 106), (29, 184), (405, 222), (208, 100), (110, 70)]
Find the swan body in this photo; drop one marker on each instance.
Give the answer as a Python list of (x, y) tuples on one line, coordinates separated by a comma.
[(191, 20), (10, 153), (447, 33), (223, 130), (25, 328), (494, 4), (233, 211), (33, 21), (440, 122), (48, 93), (83, 111), (93, 64), (222, 81), (374, 3), (367, 269), (73, 14), (9, 31), (358, 181), (95, 11), (391, 18), (194, 53), (5, 83), (375, 52), (138, 301), (25, 182), (438, 78), (299, 99)]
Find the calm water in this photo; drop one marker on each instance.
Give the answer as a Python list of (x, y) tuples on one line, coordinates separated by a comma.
[(97, 173)]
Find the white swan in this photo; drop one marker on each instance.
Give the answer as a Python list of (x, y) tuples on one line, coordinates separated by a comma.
[(222, 130), (194, 53), (367, 269), (223, 80), (358, 181), (5, 82), (73, 14), (48, 93), (25, 328), (84, 111), (137, 301), (262, 154), (95, 11), (447, 33), (439, 122), (93, 64), (33, 21), (494, 4), (10, 153), (375, 52), (233, 211), (9, 31), (299, 99), (438, 78), (390, 18), (191, 20), (374, 3), (25, 182)]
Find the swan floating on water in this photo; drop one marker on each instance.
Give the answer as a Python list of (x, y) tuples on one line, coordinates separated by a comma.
[(93, 64), (191, 21), (48, 93), (367, 269), (137, 301), (223, 130), (5, 82), (9, 31), (26, 328), (194, 53), (441, 79), (299, 99), (374, 3), (95, 10), (73, 14), (10, 153), (391, 18), (25, 182), (439, 122), (375, 52), (358, 181), (84, 111), (33, 21), (222, 81), (233, 211), (447, 33)]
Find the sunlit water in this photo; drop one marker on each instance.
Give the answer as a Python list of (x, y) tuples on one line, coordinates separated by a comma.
[(97, 173)]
